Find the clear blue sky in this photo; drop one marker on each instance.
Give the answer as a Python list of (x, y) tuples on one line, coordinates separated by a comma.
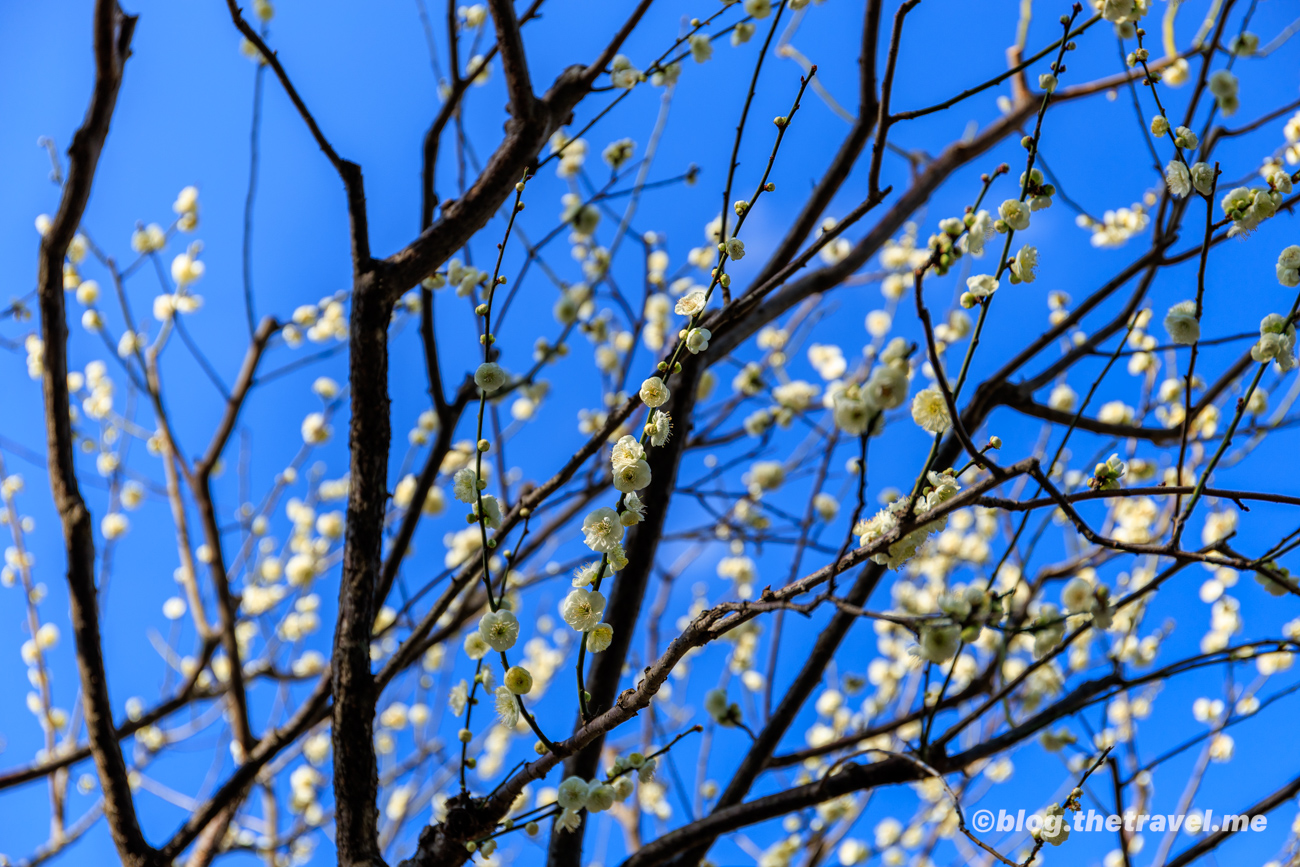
[(364, 68)]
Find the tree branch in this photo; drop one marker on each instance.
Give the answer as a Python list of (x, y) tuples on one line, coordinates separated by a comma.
[(112, 40)]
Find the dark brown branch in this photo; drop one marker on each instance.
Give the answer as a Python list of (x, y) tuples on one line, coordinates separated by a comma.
[(845, 158), (513, 61), (625, 601), (112, 41), (349, 172), (524, 140), (356, 779), (1214, 840)]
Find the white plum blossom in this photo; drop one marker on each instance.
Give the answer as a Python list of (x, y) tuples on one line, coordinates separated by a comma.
[(930, 411), (1177, 178), (602, 530), (582, 609), (1182, 324)]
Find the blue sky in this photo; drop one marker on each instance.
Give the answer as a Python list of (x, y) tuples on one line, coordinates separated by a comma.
[(184, 118)]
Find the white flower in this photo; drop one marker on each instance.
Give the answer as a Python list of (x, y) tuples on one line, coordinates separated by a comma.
[(599, 638), (1181, 323), (464, 486), (758, 8), (930, 412), (1047, 82), (499, 629), (603, 530), (475, 647), (633, 510), (1275, 342), (660, 428), (518, 680), (1014, 214), (1178, 178), (600, 797), (623, 74), (691, 303), (507, 707), (582, 609), (489, 376), (1026, 264), (736, 249), (1159, 126), (186, 268), (571, 820), (982, 285), (572, 793), (887, 387), (1117, 11), (491, 511), (1062, 398), (458, 698), (853, 413), (980, 228), (314, 429), (632, 477), (627, 451), (1203, 178), (701, 48), (114, 525), (1288, 266), (1280, 181), (1185, 138), (1223, 84), (697, 340), (1077, 595), (939, 643), (827, 360), (654, 393)]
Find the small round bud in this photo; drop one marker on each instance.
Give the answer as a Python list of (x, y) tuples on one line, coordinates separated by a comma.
[(471, 846), (471, 763), (677, 368), (780, 120), (519, 206), (539, 748), (995, 442), (525, 512), (531, 829), (481, 310), (1027, 142), (770, 187), (968, 300), (518, 680), (484, 445), (492, 543), (501, 279), (519, 187), (465, 736)]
